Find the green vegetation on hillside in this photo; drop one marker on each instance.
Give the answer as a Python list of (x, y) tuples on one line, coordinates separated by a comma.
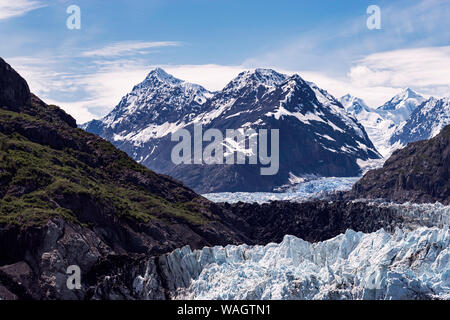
[(38, 180)]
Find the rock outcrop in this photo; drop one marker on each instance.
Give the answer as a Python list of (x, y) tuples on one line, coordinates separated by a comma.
[(418, 173)]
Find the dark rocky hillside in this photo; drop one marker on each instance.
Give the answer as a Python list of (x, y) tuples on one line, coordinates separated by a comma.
[(418, 173), (69, 197)]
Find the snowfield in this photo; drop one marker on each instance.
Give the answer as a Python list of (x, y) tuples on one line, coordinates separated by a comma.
[(354, 265)]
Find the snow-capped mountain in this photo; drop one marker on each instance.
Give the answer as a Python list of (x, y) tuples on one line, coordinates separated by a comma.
[(354, 105), (152, 109), (384, 122), (401, 106), (377, 266), (379, 128), (317, 135), (425, 122)]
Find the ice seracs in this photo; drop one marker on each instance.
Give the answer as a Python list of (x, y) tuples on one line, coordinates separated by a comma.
[(407, 264), (298, 189)]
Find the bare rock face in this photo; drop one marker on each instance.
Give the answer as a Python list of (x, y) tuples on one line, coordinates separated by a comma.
[(418, 173), (14, 91)]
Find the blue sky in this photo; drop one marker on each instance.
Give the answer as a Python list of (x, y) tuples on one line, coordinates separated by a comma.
[(209, 42)]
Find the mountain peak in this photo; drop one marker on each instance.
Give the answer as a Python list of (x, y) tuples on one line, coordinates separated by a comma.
[(296, 77), (409, 93), (255, 78), (347, 97), (353, 105), (161, 75), (403, 104)]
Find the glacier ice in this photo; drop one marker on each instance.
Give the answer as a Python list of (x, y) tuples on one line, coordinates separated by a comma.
[(404, 265), (411, 263), (312, 189)]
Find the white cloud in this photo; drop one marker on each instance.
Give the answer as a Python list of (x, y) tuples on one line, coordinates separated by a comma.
[(211, 76), (374, 96), (424, 69), (127, 48), (99, 88), (15, 8), (79, 110), (87, 95)]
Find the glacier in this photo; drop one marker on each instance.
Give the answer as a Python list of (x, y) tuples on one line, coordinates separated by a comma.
[(413, 262), (354, 265), (312, 189)]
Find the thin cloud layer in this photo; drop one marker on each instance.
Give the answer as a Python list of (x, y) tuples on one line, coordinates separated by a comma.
[(425, 69), (127, 48), (92, 91), (16, 8)]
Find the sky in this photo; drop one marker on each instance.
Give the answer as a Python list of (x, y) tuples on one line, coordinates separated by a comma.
[(86, 71)]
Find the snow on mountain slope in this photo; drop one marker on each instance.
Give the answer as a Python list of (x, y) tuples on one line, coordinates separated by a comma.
[(425, 122), (400, 107), (378, 128), (158, 106), (317, 135), (229, 102), (382, 124), (354, 105)]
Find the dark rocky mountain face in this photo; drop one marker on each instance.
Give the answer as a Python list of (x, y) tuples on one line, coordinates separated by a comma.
[(15, 91), (419, 173), (69, 197), (317, 136)]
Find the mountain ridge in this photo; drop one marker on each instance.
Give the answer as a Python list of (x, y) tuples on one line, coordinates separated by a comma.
[(419, 119), (261, 98)]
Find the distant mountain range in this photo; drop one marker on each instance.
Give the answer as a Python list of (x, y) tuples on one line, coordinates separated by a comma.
[(425, 122), (317, 136), (407, 117)]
